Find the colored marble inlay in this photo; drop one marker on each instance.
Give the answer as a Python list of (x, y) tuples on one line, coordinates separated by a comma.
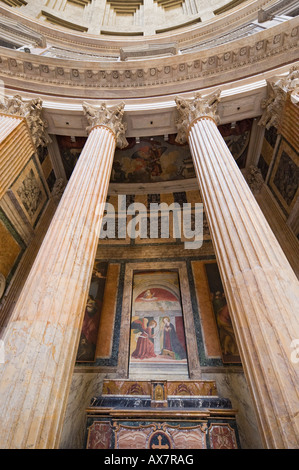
[(222, 437), (162, 435), (123, 387), (99, 435), (191, 388)]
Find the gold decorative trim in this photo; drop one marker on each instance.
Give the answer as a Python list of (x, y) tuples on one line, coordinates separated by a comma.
[(180, 413)]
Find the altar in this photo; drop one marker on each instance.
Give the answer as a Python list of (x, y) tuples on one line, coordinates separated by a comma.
[(161, 415)]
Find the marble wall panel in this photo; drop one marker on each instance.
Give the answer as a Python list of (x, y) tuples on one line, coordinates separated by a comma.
[(83, 387), (234, 386)]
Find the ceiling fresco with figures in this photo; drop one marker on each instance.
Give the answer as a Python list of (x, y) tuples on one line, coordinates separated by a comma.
[(157, 159)]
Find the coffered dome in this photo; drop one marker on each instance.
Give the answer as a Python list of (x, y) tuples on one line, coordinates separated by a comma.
[(122, 18)]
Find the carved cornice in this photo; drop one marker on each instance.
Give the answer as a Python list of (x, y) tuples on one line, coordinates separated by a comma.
[(255, 54), (192, 110), (32, 112), (111, 117), (278, 91)]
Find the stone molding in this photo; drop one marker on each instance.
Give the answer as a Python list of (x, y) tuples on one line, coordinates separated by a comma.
[(16, 31), (107, 117), (279, 88), (232, 61), (32, 111), (192, 110)]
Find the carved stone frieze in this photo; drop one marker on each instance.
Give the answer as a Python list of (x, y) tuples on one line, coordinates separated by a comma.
[(32, 111), (254, 179), (190, 110), (232, 60), (30, 194), (278, 91), (58, 189), (109, 117)]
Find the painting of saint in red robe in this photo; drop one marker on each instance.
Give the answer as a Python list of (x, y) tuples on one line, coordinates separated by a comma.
[(145, 331), (90, 326)]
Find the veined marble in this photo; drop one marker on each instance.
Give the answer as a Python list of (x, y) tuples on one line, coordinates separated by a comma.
[(83, 387), (234, 387)]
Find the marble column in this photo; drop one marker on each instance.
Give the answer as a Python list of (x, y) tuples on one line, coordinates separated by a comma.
[(261, 288), (42, 336)]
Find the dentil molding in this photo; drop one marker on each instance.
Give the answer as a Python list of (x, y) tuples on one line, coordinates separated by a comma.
[(255, 54)]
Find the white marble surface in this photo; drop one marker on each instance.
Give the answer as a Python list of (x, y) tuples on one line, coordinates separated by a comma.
[(234, 387), (83, 387)]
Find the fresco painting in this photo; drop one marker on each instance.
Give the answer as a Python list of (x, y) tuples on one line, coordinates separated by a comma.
[(156, 159), (157, 326), (152, 160), (90, 327), (229, 348)]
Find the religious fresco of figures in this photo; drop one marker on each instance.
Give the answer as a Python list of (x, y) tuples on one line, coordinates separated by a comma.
[(152, 160), (90, 326), (229, 348), (158, 345), (156, 159)]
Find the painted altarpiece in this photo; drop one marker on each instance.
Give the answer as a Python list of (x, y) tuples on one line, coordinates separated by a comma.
[(157, 300), (157, 330)]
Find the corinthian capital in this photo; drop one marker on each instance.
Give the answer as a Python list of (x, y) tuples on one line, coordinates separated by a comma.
[(109, 117), (32, 111), (279, 88), (191, 110)]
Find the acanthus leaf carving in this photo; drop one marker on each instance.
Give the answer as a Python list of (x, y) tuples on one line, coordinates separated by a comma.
[(32, 112), (109, 117), (190, 110), (278, 90)]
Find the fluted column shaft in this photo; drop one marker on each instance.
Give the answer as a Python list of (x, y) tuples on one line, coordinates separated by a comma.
[(261, 288), (42, 336), (16, 148)]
